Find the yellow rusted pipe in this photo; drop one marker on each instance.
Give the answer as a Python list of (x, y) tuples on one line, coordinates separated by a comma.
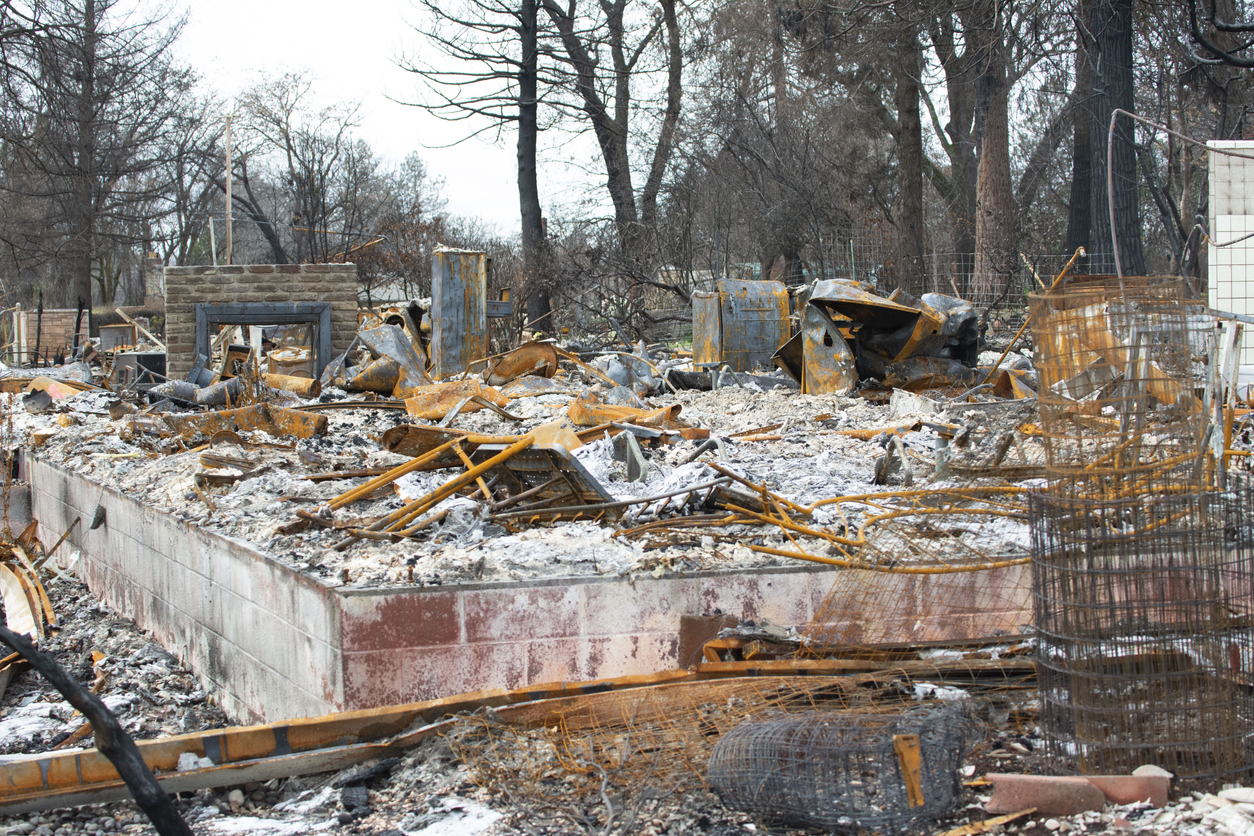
[(306, 387), (458, 482), (483, 486), (898, 569), (408, 512), (389, 477)]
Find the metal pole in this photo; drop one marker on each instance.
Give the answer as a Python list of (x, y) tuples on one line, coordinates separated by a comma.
[(229, 178), (1110, 194)]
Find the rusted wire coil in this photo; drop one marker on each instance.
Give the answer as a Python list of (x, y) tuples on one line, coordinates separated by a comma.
[(1145, 615), (841, 771)]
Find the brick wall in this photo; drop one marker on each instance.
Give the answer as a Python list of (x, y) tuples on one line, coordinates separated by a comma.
[(185, 287), (56, 334)]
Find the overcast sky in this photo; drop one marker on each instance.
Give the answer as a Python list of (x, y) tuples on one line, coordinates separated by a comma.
[(350, 49)]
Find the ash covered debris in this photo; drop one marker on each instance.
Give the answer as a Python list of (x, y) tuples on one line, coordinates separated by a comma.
[(148, 689), (329, 485), (901, 452)]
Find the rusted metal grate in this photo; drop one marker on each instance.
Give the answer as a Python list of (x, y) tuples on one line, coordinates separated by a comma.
[(1143, 594), (1118, 412)]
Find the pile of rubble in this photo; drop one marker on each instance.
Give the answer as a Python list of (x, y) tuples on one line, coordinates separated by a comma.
[(274, 472), (889, 438)]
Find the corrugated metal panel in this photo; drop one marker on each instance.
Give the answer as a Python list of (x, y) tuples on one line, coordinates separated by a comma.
[(707, 330), (755, 322), (459, 321)]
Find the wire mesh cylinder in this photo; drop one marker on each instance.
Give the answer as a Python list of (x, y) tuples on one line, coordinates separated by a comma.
[(840, 771), (1117, 405), (1144, 609)]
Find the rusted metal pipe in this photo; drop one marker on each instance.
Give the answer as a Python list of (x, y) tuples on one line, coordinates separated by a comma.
[(389, 477), (461, 454), (455, 484), (606, 506), (306, 387), (408, 512), (219, 393)]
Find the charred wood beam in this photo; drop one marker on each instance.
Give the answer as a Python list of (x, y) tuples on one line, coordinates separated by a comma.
[(111, 739)]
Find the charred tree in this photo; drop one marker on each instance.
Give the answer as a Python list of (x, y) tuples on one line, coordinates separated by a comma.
[(111, 739), (908, 263), (606, 101), (1079, 217), (1114, 191), (996, 255)]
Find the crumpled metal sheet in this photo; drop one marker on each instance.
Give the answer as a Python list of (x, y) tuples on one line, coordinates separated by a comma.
[(391, 341), (381, 376), (417, 440), (533, 358), (436, 400), (627, 371), (829, 362), (276, 420), (918, 373), (588, 412), (384, 341), (888, 331)]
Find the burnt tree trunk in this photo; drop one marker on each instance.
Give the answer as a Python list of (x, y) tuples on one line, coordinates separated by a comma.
[(1079, 213), (538, 300), (908, 256), (995, 249), (1113, 89), (81, 210), (961, 133)]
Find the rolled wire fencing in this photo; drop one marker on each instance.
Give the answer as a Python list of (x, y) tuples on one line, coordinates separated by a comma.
[(842, 771), (1143, 609), (1143, 592)]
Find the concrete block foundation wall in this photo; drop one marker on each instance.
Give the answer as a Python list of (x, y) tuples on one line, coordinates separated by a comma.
[(185, 287), (264, 636), (276, 644)]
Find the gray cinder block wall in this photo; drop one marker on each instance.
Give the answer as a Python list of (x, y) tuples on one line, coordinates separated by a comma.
[(244, 283)]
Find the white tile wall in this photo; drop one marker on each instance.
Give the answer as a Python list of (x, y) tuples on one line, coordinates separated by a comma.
[(1231, 273)]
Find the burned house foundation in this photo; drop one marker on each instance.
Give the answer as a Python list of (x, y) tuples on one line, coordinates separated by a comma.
[(274, 643)]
